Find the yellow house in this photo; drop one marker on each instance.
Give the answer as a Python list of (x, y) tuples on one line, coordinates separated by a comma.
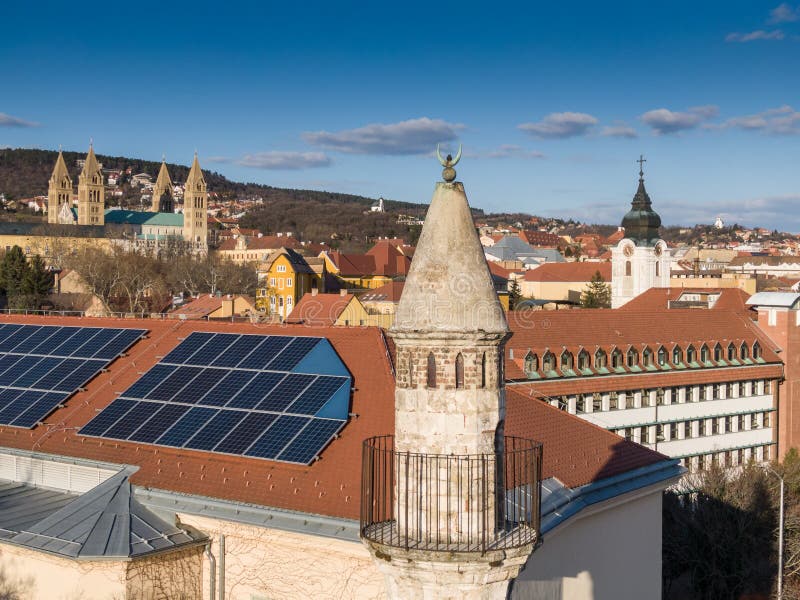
[(283, 279), (382, 264), (341, 310)]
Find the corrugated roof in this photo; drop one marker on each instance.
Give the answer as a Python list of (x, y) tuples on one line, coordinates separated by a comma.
[(777, 299)]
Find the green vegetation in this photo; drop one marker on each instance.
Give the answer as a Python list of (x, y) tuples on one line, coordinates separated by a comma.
[(597, 293), (24, 284)]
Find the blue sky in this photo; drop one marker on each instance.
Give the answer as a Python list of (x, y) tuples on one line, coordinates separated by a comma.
[(553, 101)]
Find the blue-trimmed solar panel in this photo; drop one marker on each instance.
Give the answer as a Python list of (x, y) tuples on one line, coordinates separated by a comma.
[(274, 397), (42, 365)]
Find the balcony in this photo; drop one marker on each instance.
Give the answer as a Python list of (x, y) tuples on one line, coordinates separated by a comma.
[(451, 503)]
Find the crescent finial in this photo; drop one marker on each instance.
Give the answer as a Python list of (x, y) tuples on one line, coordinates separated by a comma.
[(439, 156), (457, 158)]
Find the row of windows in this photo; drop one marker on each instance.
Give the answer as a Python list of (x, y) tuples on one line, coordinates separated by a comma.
[(676, 395), (648, 358), (727, 458), (459, 371), (278, 282), (695, 428)]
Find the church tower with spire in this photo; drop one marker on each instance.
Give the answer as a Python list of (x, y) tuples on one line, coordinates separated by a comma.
[(59, 190), (195, 200), (434, 511), (91, 192), (163, 198), (640, 261)]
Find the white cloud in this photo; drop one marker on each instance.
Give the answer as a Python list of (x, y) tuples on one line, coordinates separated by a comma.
[(284, 160), (753, 36), (513, 151), (620, 130), (784, 13), (561, 125), (783, 120), (663, 121), (218, 159), (9, 121), (413, 136)]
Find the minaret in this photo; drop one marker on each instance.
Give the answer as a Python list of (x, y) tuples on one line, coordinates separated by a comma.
[(195, 198), (640, 261), (163, 200), (91, 192), (439, 528), (59, 190)]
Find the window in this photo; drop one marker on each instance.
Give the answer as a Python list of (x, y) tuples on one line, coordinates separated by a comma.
[(597, 402), (727, 426), (583, 360), (658, 270), (616, 359), (647, 357), (662, 356), (731, 351), (627, 268), (677, 355), (288, 301), (717, 352), (645, 435), (766, 419), (714, 426), (580, 404), (612, 400), (632, 358), (704, 353), (549, 361), (756, 350), (288, 282), (659, 396), (531, 363), (281, 269), (740, 423), (459, 371), (744, 351), (687, 429), (600, 359), (691, 354), (566, 360), (730, 393), (483, 371), (431, 371), (701, 392)]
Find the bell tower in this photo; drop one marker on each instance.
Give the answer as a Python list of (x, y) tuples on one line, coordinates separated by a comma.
[(435, 513), (641, 260), (195, 199), (59, 189), (163, 200), (91, 192)]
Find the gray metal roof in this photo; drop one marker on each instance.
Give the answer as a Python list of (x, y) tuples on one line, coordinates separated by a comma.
[(105, 522), (512, 247), (779, 299)]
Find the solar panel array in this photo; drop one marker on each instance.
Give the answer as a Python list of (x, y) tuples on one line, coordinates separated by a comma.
[(42, 365), (273, 397)]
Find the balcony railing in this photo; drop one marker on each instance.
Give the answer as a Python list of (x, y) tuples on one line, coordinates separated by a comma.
[(451, 503)]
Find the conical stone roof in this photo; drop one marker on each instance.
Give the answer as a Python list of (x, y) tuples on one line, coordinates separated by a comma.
[(449, 287), (195, 173), (91, 166), (60, 170)]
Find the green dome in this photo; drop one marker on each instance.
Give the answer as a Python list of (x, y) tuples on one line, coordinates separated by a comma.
[(642, 222)]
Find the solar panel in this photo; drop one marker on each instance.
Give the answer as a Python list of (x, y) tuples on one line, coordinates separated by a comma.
[(272, 397), (42, 365)]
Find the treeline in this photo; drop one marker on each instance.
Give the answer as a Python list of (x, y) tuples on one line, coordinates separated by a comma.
[(720, 541)]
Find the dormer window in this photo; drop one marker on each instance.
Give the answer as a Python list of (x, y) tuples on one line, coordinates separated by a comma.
[(531, 363), (744, 351), (583, 360), (632, 358), (731, 351), (718, 352), (647, 357), (662, 356), (616, 359), (691, 354), (677, 355), (566, 360), (756, 350), (704, 353), (549, 362), (600, 359)]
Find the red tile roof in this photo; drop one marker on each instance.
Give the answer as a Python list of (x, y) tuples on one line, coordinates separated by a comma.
[(659, 298), (569, 271), (389, 292), (540, 238), (575, 452), (202, 306), (319, 309)]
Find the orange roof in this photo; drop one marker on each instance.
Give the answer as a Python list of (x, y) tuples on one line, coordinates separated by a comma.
[(202, 306), (319, 309), (389, 292), (575, 451), (539, 238), (659, 298), (569, 271)]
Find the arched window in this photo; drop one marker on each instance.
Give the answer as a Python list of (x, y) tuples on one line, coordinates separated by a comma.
[(704, 353), (459, 371), (756, 350), (632, 358), (658, 268), (431, 371), (410, 370), (600, 359), (731, 351), (549, 361), (691, 354), (566, 360), (627, 268), (662, 356), (616, 359), (744, 351), (583, 360), (718, 352), (531, 363), (483, 370), (677, 355), (647, 357)]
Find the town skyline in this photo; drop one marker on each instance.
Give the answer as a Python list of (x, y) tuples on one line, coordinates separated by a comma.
[(263, 101)]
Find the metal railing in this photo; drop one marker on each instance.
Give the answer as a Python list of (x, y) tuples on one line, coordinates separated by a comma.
[(455, 503)]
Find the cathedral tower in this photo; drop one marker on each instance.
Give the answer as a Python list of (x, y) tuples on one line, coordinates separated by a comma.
[(59, 190), (439, 528), (163, 199), (91, 192), (640, 261), (195, 199)]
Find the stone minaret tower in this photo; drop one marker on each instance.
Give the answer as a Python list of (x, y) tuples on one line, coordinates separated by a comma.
[(640, 261), (195, 198), (163, 200), (59, 190), (449, 333), (91, 192)]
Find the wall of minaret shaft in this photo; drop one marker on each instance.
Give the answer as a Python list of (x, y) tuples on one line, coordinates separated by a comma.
[(635, 269), (91, 194)]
